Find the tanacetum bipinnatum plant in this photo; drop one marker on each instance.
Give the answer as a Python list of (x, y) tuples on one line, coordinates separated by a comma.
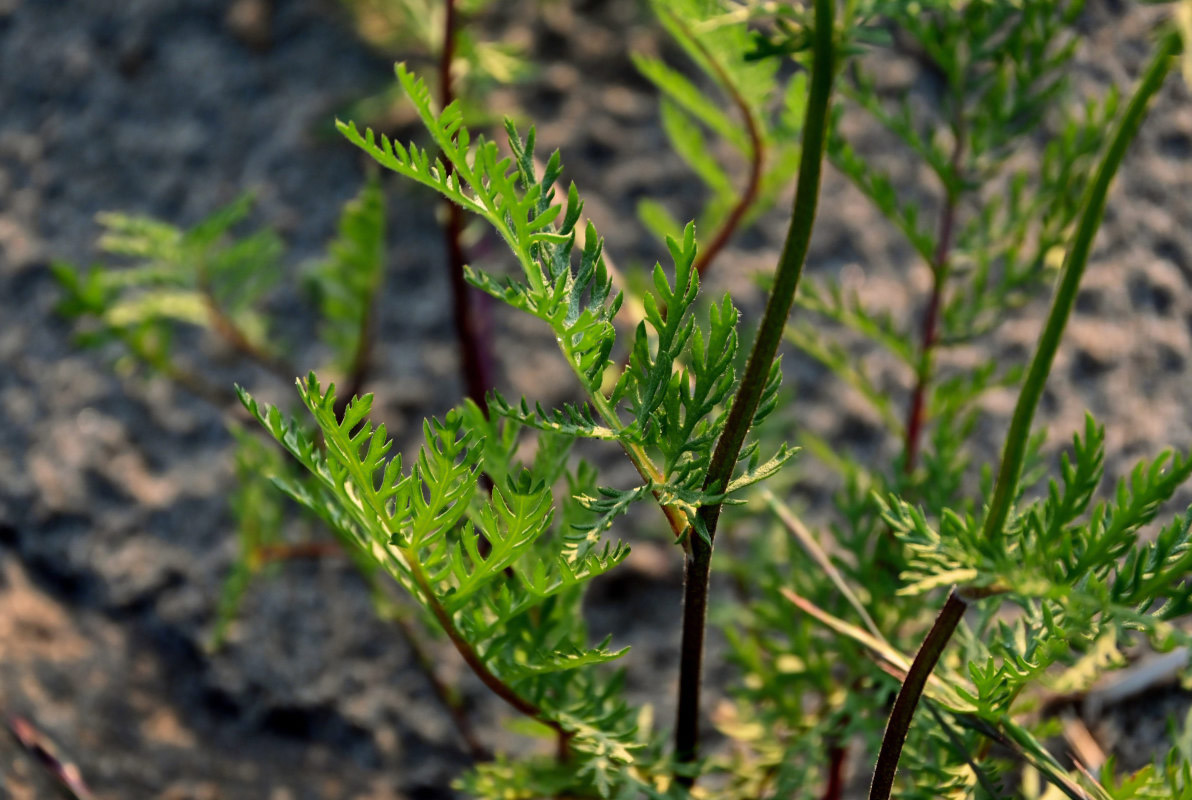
[(922, 632), (217, 279)]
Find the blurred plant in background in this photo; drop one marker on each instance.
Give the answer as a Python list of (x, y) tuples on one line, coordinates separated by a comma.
[(415, 31), (495, 530)]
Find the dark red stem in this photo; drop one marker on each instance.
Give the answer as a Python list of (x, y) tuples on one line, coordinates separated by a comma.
[(757, 157), (472, 329), (698, 563), (64, 772), (299, 551), (908, 696), (837, 757), (929, 332)]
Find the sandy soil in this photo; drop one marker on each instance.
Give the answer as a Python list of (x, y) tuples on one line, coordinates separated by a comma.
[(114, 538)]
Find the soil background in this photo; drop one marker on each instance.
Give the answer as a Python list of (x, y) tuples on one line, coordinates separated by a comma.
[(114, 533)]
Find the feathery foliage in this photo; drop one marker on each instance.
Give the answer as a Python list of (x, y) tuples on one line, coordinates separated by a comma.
[(208, 278), (346, 283), (197, 277), (495, 529)]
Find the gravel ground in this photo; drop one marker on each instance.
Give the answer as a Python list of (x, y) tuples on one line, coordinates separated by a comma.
[(114, 537)]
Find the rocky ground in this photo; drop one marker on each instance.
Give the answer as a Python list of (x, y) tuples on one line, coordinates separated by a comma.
[(114, 536)]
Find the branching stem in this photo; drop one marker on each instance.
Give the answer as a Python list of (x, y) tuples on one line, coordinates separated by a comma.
[(757, 371), (472, 658), (1065, 295), (645, 466), (909, 694)]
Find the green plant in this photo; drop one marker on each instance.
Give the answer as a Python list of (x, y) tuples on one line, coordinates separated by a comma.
[(209, 278), (1043, 585), (425, 32), (465, 67), (212, 278)]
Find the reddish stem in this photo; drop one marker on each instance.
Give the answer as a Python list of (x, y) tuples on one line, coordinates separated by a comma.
[(299, 551), (837, 757), (757, 156), (929, 332), (908, 696), (472, 329), (64, 772)]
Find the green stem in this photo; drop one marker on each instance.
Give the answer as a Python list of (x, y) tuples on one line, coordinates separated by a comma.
[(790, 267), (1065, 296), (909, 694), (753, 383)]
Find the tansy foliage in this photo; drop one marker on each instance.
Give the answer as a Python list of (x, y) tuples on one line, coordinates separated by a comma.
[(211, 278), (198, 277), (494, 529), (1081, 582), (495, 570), (678, 378)]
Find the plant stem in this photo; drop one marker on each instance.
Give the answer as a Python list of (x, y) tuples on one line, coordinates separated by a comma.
[(297, 551), (471, 323), (65, 773), (641, 460), (698, 563), (447, 695), (472, 658), (788, 273), (837, 758), (696, 574), (1065, 295), (898, 665), (226, 327), (929, 333), (908, 696), (756, 155)]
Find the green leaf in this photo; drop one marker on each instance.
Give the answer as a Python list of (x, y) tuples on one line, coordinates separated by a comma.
[(689, 143), (346, 282)]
